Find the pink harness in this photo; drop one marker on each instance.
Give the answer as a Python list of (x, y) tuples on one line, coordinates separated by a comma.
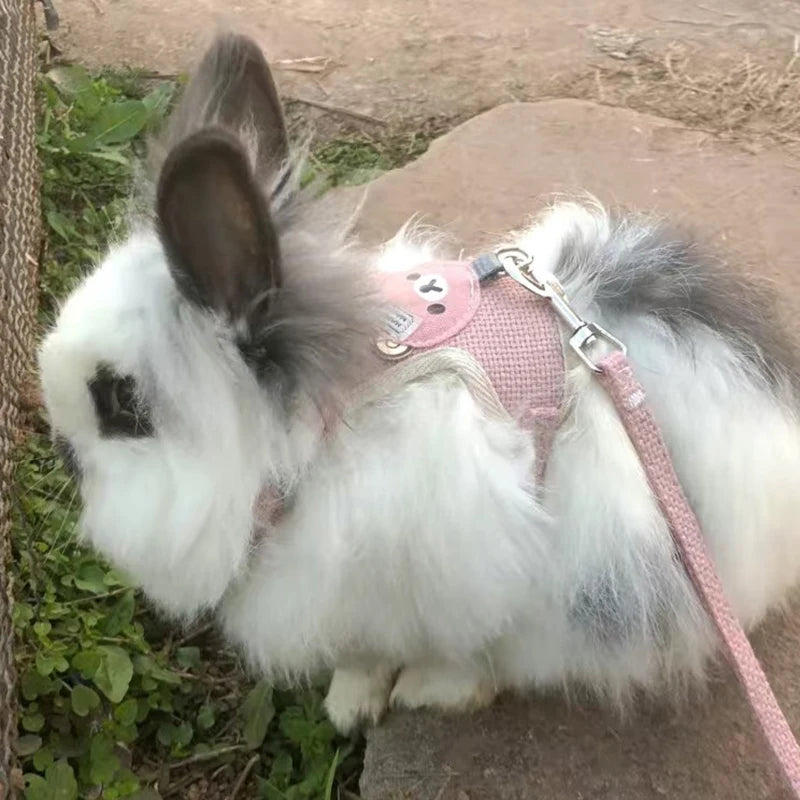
[(514, 337), (513, 333), (510, 327)]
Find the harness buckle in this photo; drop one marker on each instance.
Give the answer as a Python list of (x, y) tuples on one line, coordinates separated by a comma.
[(588, 335), (518, 264)]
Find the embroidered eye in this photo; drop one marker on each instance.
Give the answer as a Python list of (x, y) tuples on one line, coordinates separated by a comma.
[(412, 276), (436, 308)]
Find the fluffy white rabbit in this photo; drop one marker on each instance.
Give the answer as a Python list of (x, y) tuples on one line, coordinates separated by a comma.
[(220, 349)]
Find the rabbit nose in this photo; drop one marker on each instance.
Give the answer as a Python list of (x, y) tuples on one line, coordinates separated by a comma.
[(120, 413)]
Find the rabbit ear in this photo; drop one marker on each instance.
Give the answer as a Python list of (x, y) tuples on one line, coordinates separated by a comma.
[(233, 87), (215, 224)]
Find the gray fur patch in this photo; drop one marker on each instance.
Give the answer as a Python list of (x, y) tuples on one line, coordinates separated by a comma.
[(611, 614), (314, 332), (644, 267), (614, 609), (323, 321)]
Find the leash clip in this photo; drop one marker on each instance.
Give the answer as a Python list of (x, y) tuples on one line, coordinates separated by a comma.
[(584, 334)]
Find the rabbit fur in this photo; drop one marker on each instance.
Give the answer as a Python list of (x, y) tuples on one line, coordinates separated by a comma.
[(416, 559)]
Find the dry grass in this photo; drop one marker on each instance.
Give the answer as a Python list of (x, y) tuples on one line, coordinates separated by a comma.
[(741, 99), (751, 99)]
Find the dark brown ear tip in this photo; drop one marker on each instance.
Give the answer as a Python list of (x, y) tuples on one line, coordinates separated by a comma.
[(236, 48), (233, 40), (212, 139), (198, 164), (213, 145)]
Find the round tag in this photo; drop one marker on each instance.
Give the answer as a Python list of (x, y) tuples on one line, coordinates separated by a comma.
[(392, 350)]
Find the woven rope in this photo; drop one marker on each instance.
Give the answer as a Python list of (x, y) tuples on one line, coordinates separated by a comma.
[(19, 229), (629, 398)]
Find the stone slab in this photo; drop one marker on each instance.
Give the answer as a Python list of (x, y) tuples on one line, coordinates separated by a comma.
[(480, 180)]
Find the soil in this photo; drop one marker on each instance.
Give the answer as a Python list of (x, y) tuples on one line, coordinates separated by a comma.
[(719, 64)]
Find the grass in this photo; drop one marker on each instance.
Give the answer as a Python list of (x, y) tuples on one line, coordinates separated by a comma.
[(738, 99), (114, 702), (358, 159)]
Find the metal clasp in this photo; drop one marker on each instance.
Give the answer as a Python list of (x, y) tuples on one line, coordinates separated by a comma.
[(519, 265)]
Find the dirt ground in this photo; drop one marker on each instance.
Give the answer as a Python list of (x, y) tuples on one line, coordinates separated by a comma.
[(372, 62)]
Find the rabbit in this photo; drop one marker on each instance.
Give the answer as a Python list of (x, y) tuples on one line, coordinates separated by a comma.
[(225, 345)]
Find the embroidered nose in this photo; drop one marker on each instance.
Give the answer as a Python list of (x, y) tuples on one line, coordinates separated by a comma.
[(431, 287)]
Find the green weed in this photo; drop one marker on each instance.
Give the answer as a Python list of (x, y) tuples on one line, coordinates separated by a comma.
[(358, 159), (113, 702)]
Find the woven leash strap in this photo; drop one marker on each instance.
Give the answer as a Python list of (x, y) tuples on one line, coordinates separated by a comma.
[(629, 398)]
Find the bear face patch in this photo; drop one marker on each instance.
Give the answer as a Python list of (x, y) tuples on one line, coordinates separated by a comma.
[(429, 304)]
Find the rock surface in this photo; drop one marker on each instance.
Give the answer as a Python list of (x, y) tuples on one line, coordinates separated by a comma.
[(480, 180)]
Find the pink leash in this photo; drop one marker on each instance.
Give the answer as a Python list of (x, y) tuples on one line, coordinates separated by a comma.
[(615, 374), (628, 396)]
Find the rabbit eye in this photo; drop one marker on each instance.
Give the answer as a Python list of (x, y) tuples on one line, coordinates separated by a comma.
[(119, 411)]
